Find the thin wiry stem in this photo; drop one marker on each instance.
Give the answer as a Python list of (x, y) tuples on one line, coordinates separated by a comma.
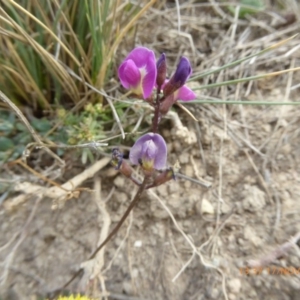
[(133, 203)]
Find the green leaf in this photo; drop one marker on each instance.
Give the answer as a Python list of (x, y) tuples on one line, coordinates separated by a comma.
[(6, 126), (5, 143), (41, 125)]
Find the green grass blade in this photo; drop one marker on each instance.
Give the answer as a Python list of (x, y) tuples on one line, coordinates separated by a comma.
[(246, 102), (245, 79)]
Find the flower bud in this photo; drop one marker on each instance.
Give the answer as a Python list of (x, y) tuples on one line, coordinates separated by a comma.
[(179, 78), (161, 66)]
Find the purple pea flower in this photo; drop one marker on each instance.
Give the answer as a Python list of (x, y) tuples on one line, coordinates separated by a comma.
[(150, 151), (179, 78), (138, 72), (184, 93)]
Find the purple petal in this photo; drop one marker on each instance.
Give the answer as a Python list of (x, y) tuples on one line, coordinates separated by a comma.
[(149, 147), (160, 160), (149, 150), (183, 71), (140, 56), (136, 149), (148, 81), (185, 94), (138, 71), (129, 74)]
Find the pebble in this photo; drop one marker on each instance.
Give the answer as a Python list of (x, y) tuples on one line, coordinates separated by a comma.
[(207, 207), (119, 181), (234, 285), (254, 198), (184, 158)]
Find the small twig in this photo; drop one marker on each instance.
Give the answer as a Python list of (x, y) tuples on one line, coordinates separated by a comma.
[(187, 111), (58, 191), (201, 182), (133, 203), (91, 145)]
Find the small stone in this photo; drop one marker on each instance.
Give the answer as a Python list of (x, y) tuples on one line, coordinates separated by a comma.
[(189, 171), (122, 197), (184, 158), (225, 208), (177, 146), (241, 241), (250, 235), (174, 188), (266, 127), (135, 273), (231, 296), (214, 293), (209, 230), (162, 190), (166, 133), (235, 285), (127, 287), (253, 198), (286, 149), (187, 184), (119, 181), (138, 244), (206, 207)]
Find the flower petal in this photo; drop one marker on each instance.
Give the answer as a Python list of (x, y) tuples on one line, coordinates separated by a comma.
[(149, 150), (149, 79), (140, 60), (183, 71), (149, 147), (136, 149), (185, 94), (129, 74), (160, 160), (140, 55)]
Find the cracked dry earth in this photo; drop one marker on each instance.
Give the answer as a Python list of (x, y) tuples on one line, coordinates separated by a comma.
[(251, 157)]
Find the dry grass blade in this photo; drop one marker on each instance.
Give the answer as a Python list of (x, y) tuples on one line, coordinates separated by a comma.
[(118, 40), (26, 12), (49, 60)]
